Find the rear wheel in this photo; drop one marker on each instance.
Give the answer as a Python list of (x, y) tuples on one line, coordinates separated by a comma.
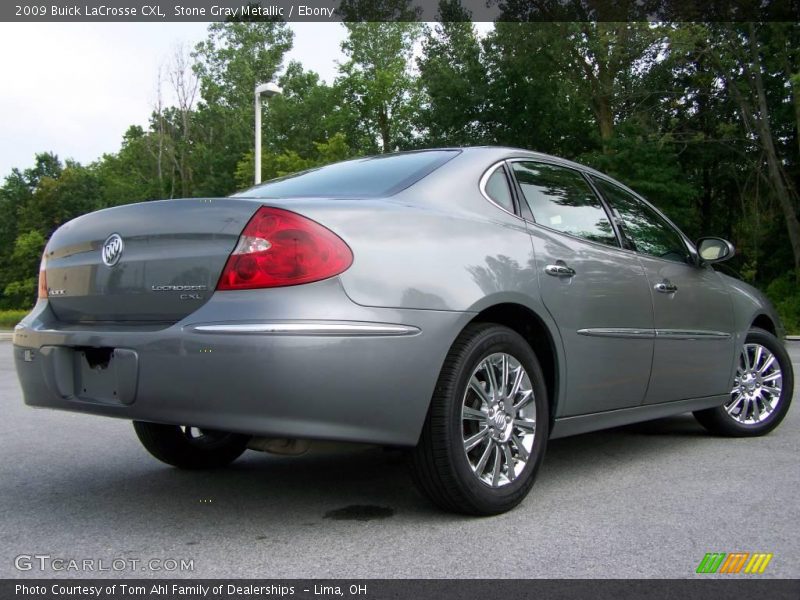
[(762, 390), (188, 447), (487, 426)]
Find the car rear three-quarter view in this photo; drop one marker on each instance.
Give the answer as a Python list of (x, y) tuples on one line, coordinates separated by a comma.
[(468, 304)]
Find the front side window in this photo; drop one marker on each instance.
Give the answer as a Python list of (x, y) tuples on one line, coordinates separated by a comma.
[(497, 189), (644, 229), (561, 199)]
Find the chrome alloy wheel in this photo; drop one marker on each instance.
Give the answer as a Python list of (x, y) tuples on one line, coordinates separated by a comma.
[(498, 416), (756, 387)]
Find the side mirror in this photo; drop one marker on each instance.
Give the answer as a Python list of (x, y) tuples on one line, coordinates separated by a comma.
[(714, 249)]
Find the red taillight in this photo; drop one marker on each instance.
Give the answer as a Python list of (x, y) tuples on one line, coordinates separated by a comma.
[(43, 278), (279, 247)]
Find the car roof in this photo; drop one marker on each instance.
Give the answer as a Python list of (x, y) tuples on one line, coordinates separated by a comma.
[(503, 152)]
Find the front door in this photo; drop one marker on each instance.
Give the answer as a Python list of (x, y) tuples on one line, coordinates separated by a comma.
[(596, 292), (692, 312)]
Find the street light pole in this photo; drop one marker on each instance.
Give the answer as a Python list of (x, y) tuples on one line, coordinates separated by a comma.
[(269, 90)]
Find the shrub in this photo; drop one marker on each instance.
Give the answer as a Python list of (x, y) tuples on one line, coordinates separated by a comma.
[(9, 318), (785, 295)]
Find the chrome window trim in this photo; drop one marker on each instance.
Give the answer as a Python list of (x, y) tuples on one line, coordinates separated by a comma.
[(600, 199), (307, 328), (690, 247), (579, 238), (482, 187), (590, 173)]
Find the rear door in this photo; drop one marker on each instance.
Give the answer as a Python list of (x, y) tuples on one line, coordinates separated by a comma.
[(693, 314), (596, 292)]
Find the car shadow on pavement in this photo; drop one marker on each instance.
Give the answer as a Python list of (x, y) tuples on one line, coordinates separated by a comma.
[(634, 447), (678, 426), (331, 488)]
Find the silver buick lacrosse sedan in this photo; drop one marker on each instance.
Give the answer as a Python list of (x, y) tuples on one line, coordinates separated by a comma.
[(469, 304)]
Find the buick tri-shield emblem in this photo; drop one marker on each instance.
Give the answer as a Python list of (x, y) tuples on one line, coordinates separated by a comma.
[(112, 250)]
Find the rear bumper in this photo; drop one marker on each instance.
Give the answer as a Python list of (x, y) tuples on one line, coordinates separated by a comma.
[(301, 362)]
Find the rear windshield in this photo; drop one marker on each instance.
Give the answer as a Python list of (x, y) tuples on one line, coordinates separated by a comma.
[(374, 176)]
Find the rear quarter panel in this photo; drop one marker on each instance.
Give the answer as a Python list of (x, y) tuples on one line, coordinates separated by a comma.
[(437, 246)]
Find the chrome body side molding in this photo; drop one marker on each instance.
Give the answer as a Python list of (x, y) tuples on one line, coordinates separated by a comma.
[(680, 334), (307, 328), (669, 334), (618, 332)]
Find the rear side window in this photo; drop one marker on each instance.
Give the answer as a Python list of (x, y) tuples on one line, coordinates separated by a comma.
[(561, 199), (644, 230), (498, 191), (374, 176)]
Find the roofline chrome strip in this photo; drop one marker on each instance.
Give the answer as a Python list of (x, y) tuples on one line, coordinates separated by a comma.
[(307, 328)]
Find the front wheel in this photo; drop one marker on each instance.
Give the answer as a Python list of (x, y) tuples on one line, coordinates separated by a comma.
[(762, 390), (487, 427), (188, 447)]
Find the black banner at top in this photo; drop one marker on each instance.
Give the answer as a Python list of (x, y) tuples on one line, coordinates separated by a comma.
[(399, 10)]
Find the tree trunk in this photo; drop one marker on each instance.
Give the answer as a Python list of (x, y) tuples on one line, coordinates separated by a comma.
[(706, 203), (781, 184), (186, 174), (601, 84), (605, 119), (383, 125), (790, 68), (794, 82), (613, 38)]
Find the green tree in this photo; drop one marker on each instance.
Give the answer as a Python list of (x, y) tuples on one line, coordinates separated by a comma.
[(274, 164), (309, 110), (230, 62), (453, 81), (22, 271), (334, 149), (237, 56), (752, 77), (532, 104), (752, 65), (134, 174), (377, 80), (56, 200), (35, 203)]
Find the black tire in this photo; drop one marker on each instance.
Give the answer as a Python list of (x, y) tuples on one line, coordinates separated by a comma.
[(439, 464), (189, 447), (719, 422)]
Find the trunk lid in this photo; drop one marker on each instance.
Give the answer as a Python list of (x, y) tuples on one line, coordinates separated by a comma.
[(148, 262)]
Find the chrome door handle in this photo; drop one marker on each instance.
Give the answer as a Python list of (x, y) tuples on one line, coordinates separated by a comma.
[(666, 287), (559, 270)]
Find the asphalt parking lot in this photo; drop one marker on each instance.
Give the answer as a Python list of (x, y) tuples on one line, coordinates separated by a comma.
[(647, 500)]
